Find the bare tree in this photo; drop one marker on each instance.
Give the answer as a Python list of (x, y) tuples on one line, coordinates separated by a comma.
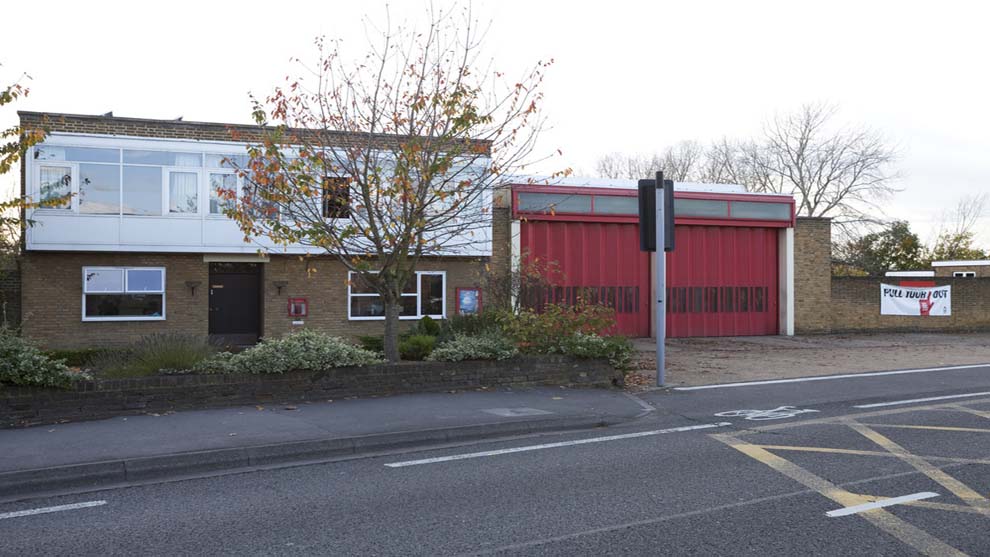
[(956, 231), (844, 174), (428, 132), (680, 162)]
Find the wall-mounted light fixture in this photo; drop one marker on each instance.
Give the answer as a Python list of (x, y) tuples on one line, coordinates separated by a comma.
[(192, 285), (280, 284)]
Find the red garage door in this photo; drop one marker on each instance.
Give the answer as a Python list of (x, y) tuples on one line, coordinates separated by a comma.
[(722, 281), (598, 261)]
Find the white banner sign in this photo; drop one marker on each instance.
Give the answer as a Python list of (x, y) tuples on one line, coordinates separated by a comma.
[(915, 300)]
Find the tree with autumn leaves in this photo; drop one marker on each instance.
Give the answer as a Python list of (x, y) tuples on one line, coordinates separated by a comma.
[(391, 158)]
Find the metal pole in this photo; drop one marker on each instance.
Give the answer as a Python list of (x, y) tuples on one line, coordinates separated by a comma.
[(661, 286)]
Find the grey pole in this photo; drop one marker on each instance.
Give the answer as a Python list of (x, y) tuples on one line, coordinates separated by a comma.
[(661, 286)]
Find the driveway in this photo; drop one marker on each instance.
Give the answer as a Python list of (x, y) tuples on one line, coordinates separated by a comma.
[(702, 361)]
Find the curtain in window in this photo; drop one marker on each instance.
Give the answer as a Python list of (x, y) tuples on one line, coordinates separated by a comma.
[(56, 185), (182, 192)]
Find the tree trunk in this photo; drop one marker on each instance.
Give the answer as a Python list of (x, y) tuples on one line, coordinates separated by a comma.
[(391, 343)]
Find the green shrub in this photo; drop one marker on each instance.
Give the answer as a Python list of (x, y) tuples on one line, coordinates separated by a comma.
[(487, 346), (428, 326), (22, 363), (74, 358), (372, 343), (544, 332), (301, 350), (472, 325), (416, 347), (160, 352), (617, 350)]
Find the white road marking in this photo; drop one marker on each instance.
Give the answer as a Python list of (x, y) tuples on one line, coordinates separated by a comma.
[(59, 508), (881, 504), (828, 377), (913, 400), (778, 413), (554, 445)]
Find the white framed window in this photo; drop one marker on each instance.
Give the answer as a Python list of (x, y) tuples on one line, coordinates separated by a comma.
[(183, 192), (123, 294), (424, 295), (226, 182), (55, 183), (963, 274)]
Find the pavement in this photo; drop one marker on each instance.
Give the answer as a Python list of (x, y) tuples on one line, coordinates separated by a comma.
[(126, 450), (870, 464)]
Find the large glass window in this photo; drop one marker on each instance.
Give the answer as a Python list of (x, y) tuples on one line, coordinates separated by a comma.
[(123, 293), (554, 203), (701, 208), (56, 186), (223, 185), (162, 158), (183, 192), (425, 294), (142, 190), (761, 210), (99, 189)]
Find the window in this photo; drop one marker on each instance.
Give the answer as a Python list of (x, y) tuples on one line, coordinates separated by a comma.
[(123, 294), (424, 294), (554, 203), (760, 210), (56, 186), (99, 189), (223, 185), (183, 192), (964, 274), (701, 208), (336, 198), (142, 190)]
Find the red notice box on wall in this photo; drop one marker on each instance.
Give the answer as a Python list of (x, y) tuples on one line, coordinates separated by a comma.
[(298, 307)]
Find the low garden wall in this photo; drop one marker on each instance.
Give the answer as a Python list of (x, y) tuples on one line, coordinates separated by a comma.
[(96, 399)]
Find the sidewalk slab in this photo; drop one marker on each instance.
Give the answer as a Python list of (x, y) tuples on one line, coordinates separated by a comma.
[(139, 448)]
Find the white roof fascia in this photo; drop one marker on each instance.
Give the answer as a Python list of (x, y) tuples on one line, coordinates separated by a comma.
[(970, 263)]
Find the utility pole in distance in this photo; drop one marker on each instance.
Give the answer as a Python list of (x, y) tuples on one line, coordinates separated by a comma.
[(656, 228)]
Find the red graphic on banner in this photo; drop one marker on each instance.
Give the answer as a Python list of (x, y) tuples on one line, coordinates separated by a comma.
[(926, 304)]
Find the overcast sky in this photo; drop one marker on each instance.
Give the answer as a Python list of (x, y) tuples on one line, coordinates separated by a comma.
[(629, 76)]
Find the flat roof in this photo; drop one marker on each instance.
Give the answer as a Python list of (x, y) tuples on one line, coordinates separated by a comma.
[(962, 263), (624, 184), (910, 274)]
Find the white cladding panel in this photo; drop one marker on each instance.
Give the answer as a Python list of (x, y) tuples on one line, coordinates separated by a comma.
[(197, 232)]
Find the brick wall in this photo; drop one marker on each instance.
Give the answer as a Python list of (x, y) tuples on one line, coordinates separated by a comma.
[(812, 274), (88, 400), (855, 306), (174, 129), (52, 296), (10, 296)]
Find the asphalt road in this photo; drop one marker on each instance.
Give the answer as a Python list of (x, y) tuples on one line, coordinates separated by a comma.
[(682, 481)]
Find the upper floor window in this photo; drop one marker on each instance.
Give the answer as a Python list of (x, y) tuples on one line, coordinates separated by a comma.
[(963, 274), (336, 198), (56, 186)]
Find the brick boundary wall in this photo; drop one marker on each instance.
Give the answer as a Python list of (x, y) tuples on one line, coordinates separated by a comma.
[(10, 297), (91, 400), (812, 273), (855, 307)]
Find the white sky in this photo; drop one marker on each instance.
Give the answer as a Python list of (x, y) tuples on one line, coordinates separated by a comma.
[(629, 76)]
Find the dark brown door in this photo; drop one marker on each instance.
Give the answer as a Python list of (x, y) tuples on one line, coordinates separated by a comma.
[(235, 303)]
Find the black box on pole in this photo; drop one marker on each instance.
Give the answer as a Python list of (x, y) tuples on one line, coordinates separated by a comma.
[(648, 214)]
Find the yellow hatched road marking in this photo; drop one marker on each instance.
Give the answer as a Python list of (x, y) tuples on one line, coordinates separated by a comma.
[(933, 427), (911, 535), (959, 489), (884, 454)]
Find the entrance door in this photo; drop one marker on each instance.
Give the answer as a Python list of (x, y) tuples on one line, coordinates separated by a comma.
[(235, 303)]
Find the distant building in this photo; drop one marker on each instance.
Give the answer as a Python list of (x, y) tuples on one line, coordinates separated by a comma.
[(962, 269)]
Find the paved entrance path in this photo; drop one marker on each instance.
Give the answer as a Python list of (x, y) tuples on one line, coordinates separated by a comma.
[(701, 361)]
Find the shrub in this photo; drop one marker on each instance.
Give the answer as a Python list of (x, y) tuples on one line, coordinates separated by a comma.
[(74, 358), (159, 352), (545, 331), (487, 346), (617, 350), (428, 326), (472, 325), (417, 347), (301, 350), (372, 343), (22, 363)]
